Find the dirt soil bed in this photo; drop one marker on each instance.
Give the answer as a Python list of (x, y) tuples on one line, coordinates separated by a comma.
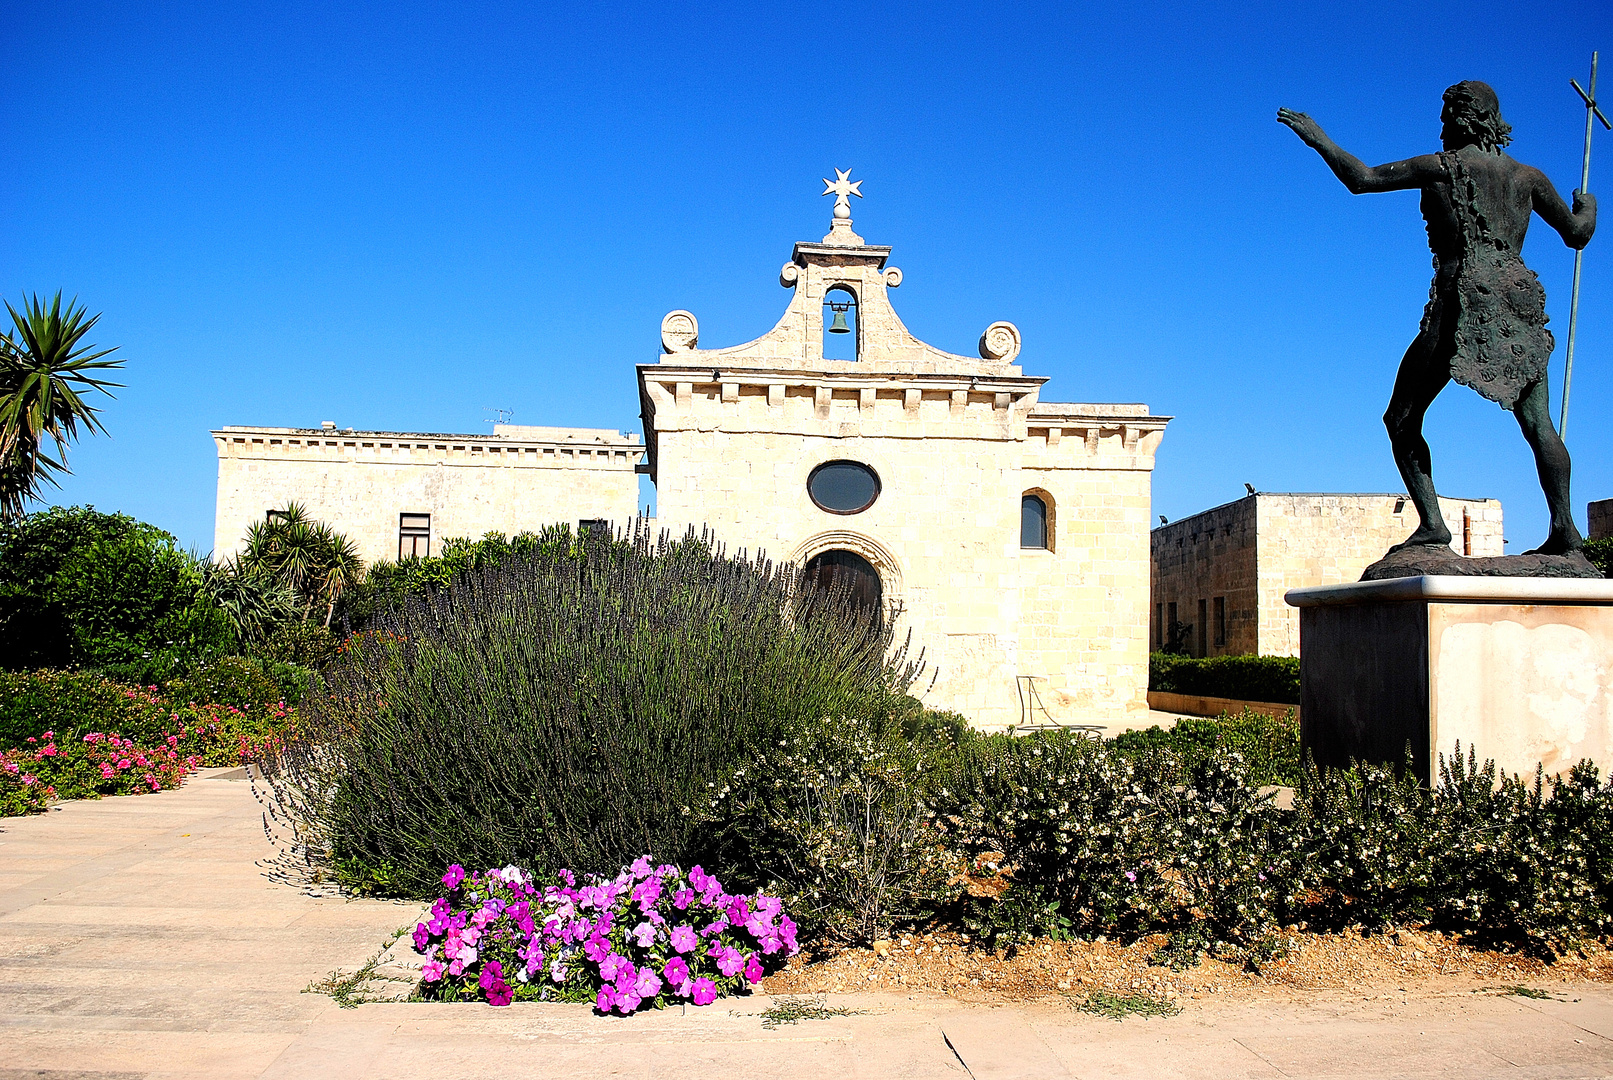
[(1394, 965)]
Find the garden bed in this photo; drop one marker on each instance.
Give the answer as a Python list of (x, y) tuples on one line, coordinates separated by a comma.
[(1389, 965)]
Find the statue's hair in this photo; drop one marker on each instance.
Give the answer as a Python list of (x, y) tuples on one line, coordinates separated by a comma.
[(1476, 111)]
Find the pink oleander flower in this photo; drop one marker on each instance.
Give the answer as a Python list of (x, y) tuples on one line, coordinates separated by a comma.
[(684, 939), (704, 991)]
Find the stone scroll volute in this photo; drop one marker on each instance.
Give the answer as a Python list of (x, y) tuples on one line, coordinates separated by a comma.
[(680, 332), (1000, 342)]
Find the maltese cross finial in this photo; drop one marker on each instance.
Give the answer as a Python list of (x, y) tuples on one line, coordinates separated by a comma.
[(842, 187)]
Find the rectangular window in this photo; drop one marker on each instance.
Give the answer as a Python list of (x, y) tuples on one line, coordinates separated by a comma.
[(593, 525), (272, 516), (1159, 626), (1203, 635), (1220, 621), (414, 535)]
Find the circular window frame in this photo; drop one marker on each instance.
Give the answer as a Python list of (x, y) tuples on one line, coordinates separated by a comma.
[(879, 486)]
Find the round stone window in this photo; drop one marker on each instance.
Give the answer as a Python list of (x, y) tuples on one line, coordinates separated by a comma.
[(843, 487)]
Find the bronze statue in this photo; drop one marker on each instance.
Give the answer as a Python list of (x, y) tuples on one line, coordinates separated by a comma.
[(1485, 323)]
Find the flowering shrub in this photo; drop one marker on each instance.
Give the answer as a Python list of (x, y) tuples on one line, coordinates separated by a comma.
[(155, 746), (648, 937), (837, 819)]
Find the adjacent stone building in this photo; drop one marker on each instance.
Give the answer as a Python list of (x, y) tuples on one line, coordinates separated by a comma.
[(1600, 519), (398, 493), (1009, 533), (1219, 576)]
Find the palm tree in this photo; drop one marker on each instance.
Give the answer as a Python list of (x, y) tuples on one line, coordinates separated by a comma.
[(310, 558), (44, 377)]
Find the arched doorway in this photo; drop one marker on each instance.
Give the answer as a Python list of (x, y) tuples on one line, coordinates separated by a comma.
[(850, 570)]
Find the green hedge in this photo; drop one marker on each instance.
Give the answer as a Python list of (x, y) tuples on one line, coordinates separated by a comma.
[(1600, 553), (1242, 678), (1269, 745)]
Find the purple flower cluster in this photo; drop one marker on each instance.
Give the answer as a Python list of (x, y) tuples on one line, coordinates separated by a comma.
[(648, 937)]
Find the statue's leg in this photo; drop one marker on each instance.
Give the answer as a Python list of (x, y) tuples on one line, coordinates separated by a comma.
[(1551, 461), (1424, 371)]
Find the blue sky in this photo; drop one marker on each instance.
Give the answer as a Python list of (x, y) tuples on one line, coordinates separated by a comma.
[(400, 216)]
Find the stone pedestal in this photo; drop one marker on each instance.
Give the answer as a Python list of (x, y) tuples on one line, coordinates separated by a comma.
[(1520, 668)]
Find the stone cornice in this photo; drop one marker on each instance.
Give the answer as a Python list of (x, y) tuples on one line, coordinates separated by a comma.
[(403, 448)]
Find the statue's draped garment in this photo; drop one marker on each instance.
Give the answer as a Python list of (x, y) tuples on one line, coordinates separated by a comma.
[(1502, 344)]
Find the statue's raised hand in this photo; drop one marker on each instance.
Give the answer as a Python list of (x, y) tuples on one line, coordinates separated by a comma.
[(1584, 200), (1303, 126)]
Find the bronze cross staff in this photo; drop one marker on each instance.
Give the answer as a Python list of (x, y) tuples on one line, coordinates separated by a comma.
[(1591, 110)]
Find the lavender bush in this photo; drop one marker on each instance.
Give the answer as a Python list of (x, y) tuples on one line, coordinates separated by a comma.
[(646, 938)]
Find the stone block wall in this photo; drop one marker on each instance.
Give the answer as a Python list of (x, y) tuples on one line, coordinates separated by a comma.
[(1206, 557), (1330, 539), (359, 482), (1247, 554), (1599, 519)]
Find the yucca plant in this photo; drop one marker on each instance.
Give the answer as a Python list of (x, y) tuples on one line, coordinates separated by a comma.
[(46, 376), (310, 558)]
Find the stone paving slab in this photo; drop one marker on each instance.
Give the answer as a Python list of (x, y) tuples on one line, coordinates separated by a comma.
[(139, 939)]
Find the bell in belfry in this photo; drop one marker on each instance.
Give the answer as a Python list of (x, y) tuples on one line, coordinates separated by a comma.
[(838, 325)]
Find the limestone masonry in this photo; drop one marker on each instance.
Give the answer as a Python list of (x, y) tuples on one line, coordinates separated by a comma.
[(1220, 575), (395, 492), (1600, 515)]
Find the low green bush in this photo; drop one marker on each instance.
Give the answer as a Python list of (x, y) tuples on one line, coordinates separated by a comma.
[(836, 820), (1600, 553), (1268, 745), (33, 702), (73, 704), (1242, 678)]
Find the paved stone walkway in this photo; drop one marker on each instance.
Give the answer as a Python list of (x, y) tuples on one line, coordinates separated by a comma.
[(138, 939)]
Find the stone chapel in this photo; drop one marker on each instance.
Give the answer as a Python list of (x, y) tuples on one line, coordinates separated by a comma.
[(1007, 533), (1010, 533)]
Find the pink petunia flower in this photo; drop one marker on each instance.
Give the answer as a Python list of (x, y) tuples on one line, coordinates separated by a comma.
[(684, 939), (753, 969), (648, 983), (704, 991), (676, 971)]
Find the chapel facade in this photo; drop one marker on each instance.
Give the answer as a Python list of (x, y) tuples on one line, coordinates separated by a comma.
[(1008, 533)]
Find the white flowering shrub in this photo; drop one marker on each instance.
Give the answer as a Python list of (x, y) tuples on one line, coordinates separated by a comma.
[(837, 820)]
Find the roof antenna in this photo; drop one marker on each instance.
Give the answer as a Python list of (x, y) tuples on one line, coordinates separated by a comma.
[(500, 416)]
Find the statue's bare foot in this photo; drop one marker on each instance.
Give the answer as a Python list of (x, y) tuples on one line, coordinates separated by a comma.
[(1560, 542), (1426, 536)]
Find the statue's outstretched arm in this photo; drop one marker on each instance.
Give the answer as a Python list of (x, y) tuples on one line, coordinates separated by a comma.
[(1352, 172), (1575, 226)]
